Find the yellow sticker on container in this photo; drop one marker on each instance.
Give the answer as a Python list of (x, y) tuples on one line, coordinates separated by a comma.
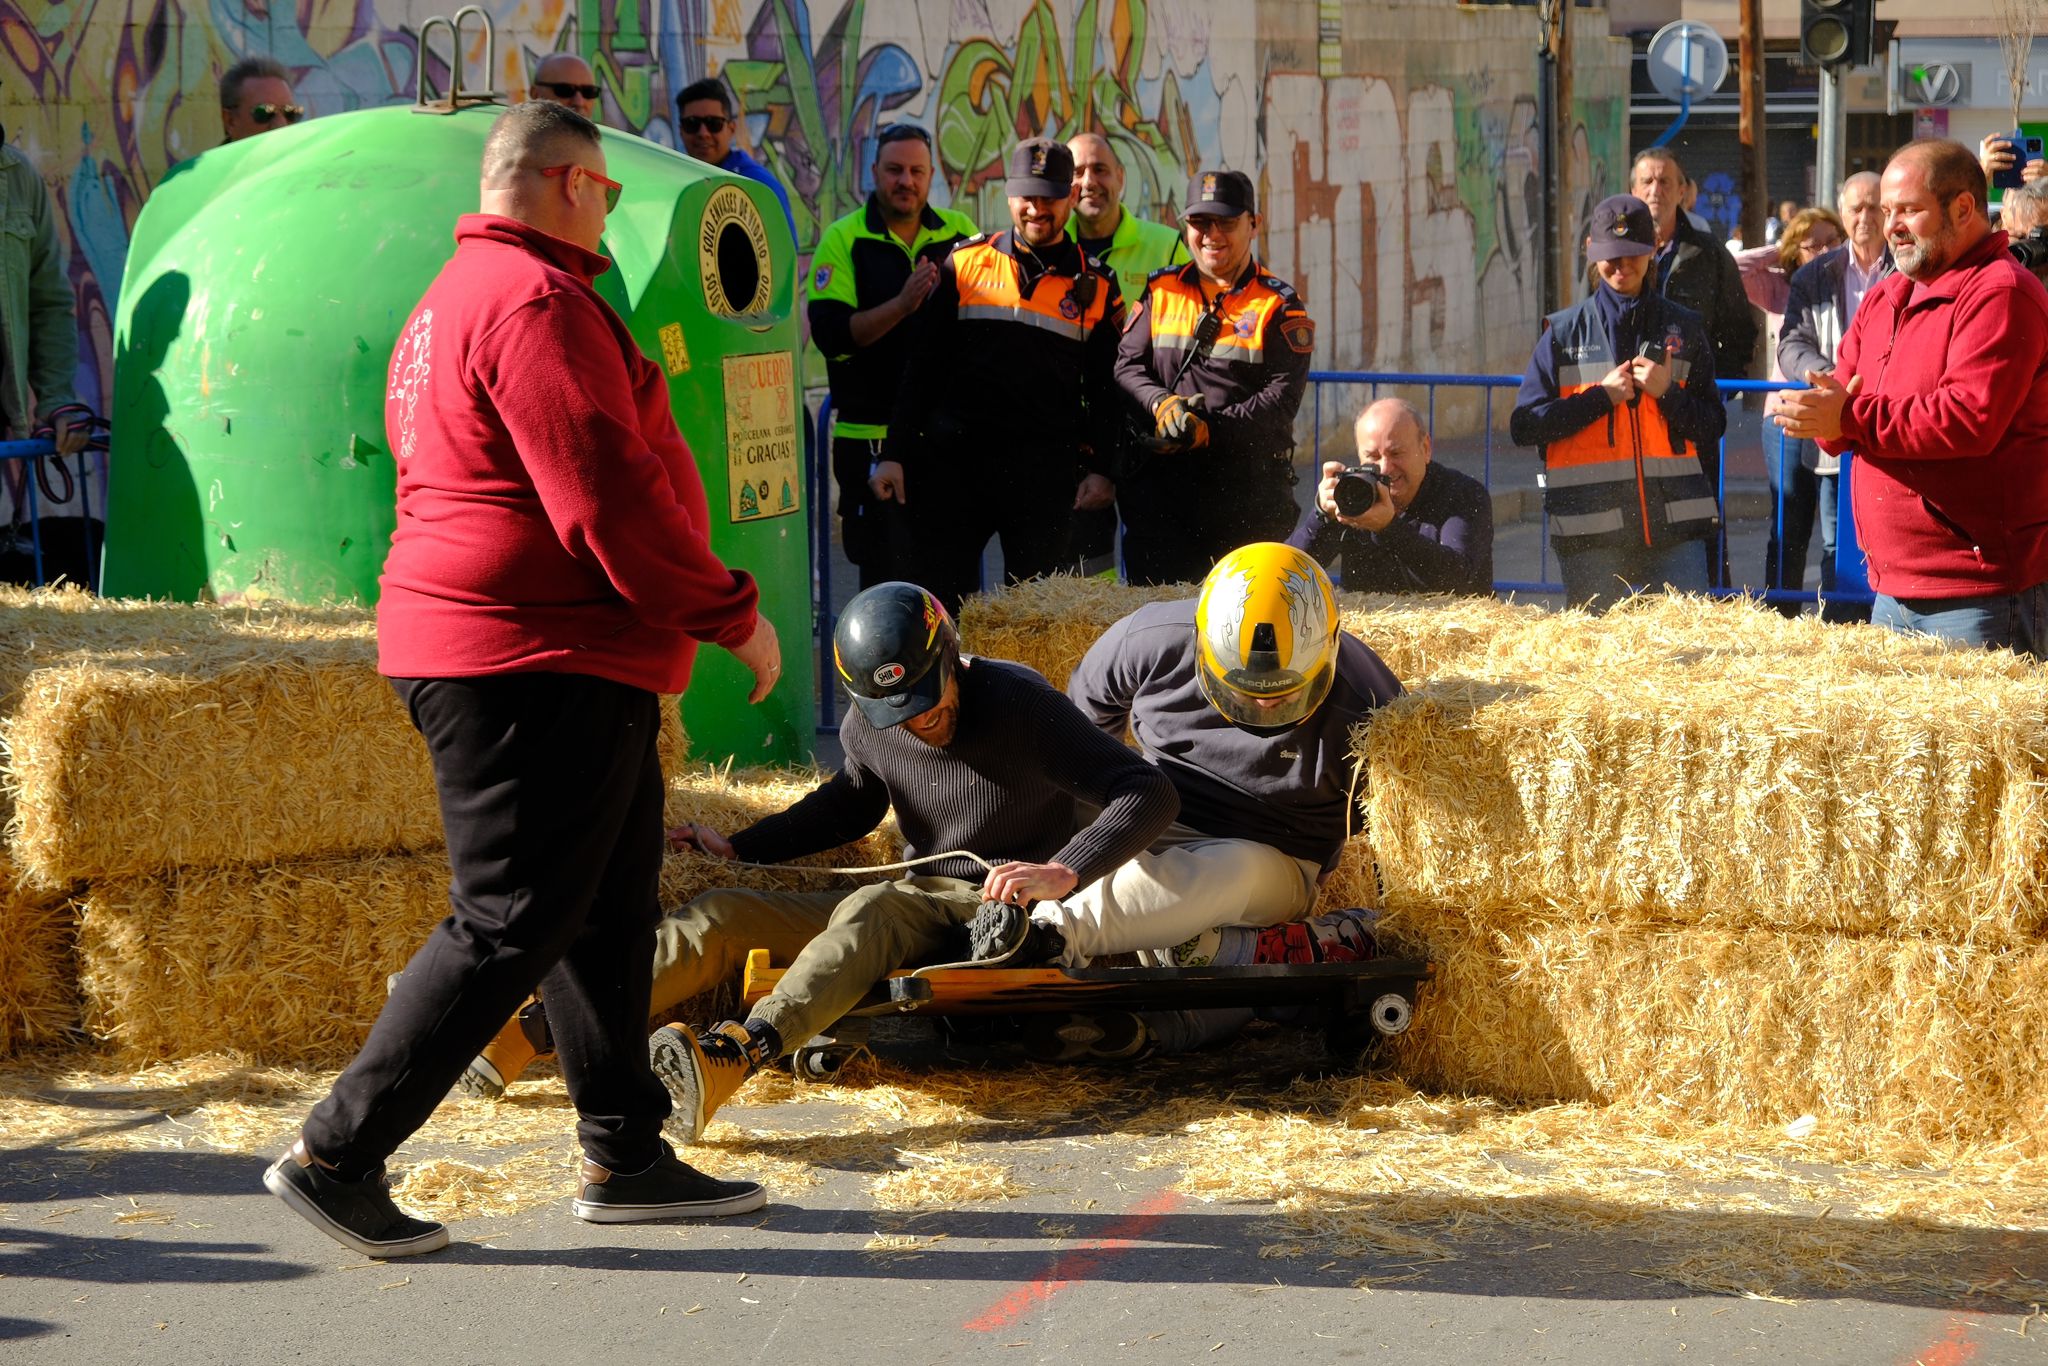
[(764, 474), (675, 354)]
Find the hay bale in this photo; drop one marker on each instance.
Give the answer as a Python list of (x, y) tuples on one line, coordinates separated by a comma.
[(38, 963), (1675, 631), (1929, 1042), (1721, 794), (1050, 623), (128, 767), (155, 736), (287, 963)]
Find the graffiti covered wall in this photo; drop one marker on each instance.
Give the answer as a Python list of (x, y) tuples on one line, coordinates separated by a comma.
[(1398, 169)]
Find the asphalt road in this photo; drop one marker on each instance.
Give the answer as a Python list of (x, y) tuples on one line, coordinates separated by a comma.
[(1096, 1256)]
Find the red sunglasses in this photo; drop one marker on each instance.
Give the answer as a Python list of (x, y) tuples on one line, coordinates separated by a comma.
[(612, 188)]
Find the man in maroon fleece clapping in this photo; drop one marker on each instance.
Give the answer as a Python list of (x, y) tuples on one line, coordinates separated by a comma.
[(1940, 388), (549, 576)]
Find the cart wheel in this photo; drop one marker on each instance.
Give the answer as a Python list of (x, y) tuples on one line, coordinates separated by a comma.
[(1391, 1014)]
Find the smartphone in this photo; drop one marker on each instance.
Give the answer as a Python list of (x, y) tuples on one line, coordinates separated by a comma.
[(2024, 150)]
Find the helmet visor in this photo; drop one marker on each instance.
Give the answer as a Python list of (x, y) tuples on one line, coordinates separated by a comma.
[(1265, 701)]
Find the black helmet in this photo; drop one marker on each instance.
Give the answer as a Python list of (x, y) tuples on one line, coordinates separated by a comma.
[(894, 648)]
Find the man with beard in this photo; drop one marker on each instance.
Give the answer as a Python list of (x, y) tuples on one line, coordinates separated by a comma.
[(1008, 391), (872, 270), (1940, 387)]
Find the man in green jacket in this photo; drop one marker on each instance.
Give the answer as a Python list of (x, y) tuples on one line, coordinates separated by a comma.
[(1132, 247), (871, 272)]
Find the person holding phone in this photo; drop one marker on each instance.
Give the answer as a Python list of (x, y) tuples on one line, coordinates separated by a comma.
[(2011, 160), (1621, 399)]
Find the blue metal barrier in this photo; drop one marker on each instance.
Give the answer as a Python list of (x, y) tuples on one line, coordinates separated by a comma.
[(1430, 383), (27, 453), (823, 615)]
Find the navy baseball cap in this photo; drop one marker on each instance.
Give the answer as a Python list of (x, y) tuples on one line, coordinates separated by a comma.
[(1621, 226), (1221, 194), (1040, 169)]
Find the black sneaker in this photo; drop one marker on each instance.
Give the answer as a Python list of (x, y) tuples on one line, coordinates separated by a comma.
[(356, 1214), (1005, 936), (670, 1189)]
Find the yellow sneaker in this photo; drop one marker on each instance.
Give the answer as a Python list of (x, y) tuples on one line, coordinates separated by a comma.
[(701, 1072), (524, 1038)]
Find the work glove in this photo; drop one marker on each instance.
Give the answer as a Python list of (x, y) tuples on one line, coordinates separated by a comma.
[(1178, 419)]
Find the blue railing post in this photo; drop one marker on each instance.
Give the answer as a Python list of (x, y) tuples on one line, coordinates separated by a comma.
[(821, 540)]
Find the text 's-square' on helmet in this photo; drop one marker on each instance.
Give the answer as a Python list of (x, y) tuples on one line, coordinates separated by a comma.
[(895, 649), (1266, 637)]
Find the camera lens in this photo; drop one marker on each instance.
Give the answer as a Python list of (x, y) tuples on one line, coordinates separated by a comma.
[(1357, 491)]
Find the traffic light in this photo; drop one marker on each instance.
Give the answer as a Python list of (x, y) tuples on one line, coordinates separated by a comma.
[(1836, 32)]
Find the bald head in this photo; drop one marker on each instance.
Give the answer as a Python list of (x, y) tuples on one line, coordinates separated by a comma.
[(1952, 170), (1935, 206), (1392, 438), (1098, 185), (566, 79)]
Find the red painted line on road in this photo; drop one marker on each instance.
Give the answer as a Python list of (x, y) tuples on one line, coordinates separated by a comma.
[(1953, 1349), (1078, 1263)]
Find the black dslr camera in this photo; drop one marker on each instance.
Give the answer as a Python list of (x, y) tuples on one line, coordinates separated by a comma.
[(2031, 251), (1357, 490)]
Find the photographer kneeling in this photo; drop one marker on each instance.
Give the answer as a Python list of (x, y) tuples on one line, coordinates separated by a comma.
[(1400, 523)]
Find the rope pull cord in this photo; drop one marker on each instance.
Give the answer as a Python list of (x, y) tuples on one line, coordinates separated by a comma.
[(904, 865)]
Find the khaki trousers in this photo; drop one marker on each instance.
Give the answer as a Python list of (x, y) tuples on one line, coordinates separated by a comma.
[(838, 945)]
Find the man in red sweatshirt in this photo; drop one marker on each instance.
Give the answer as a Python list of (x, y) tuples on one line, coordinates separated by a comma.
[(549, 575), (1940, 388)]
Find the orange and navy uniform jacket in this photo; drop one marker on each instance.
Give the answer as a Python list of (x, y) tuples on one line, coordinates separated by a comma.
[(1630, 475), (1011, 358), (1254, 374)]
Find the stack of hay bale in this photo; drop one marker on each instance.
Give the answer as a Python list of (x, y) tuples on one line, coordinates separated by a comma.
[(1698, 856), (229, 813), (1693, 855)]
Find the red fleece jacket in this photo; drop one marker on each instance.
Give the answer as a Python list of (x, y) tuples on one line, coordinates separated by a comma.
[(549, 515), (1950, 429)]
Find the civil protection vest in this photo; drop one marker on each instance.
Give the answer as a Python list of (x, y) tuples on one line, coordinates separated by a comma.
[(991, 287), (1625, 479)]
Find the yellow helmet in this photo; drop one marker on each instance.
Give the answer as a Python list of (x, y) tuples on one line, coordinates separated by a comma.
[(1266, 637)]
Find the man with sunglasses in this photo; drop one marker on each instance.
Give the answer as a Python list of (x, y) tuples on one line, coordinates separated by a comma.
[(567, 80), (707, 119), (255, 97), (871, 272), (549, 576), (1007, 410)]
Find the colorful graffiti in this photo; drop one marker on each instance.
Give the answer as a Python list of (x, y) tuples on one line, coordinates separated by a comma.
[(990, 97), (817, 104), (1401, 204)]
